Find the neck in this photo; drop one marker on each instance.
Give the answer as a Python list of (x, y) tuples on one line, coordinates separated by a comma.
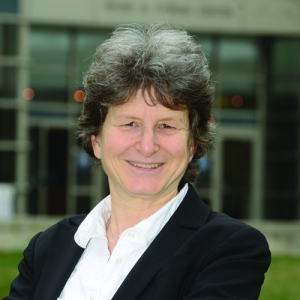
[(126, 212)]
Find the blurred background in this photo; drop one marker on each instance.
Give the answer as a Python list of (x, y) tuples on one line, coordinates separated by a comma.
[(253, 47)]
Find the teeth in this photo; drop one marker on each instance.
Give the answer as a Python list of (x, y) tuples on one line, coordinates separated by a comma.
[(146, 166)]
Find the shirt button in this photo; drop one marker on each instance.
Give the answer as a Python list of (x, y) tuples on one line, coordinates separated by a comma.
[(118, 260), (131, 235)]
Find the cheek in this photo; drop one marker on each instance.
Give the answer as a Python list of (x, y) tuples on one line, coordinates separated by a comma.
[(118, 142), (131, 140), (178, 148)]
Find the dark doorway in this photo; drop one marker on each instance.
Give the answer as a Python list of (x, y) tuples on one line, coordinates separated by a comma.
[(236, 178), (57, 171), (48, 171)]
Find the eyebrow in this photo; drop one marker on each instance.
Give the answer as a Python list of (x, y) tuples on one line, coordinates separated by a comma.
[(160, 120)]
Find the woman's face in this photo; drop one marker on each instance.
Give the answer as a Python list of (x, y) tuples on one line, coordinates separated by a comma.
[(144, 149)]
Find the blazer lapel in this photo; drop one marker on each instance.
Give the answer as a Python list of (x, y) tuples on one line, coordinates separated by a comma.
[(189, 217), (60, 262)]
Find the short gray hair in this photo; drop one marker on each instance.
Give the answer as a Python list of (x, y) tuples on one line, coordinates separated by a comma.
[(161, 60)]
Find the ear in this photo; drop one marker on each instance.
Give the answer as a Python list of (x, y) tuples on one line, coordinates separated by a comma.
[(96, 146), (191, 151)]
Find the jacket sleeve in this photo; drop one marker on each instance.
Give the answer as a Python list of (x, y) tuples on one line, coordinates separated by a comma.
[(234, 270), (22, 287)]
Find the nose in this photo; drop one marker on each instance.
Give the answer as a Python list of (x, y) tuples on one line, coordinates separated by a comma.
[(147, 142)]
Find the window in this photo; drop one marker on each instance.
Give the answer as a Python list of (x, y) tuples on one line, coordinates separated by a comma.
[(282, 131), (238, 65), (8, 39), (7, 82), (9, 6), (7, 124), (49, 46), (7, 166), (86, 43), (49, 87)]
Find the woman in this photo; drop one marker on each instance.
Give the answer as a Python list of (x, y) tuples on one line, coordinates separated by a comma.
[(146, 118)]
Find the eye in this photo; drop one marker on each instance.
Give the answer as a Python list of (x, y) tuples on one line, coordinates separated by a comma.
[(166, 126), (166, 129), (131, 124)]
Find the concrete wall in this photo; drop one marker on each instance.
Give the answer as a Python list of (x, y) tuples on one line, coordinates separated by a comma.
[(283, 237), (15, 234), (212, 16)]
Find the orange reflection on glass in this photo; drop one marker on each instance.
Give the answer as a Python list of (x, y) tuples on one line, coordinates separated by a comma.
[(28, 94), (79, 96), (222, 101), (237, 101)]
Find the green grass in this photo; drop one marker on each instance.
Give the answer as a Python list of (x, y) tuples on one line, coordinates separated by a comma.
[(282, 280), (8, 270), (281, 283)]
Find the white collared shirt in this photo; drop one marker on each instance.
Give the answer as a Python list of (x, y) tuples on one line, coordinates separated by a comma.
[(97, 275)]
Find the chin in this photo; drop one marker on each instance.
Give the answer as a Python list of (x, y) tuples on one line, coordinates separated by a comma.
[(145, 188)]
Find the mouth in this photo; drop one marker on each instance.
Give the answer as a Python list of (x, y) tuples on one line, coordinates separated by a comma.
[(145, 166)]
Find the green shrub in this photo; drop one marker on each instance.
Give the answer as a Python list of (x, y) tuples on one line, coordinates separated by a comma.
[(281, 283)]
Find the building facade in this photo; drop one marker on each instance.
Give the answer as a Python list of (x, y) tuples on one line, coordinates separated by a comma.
[(253, 170)]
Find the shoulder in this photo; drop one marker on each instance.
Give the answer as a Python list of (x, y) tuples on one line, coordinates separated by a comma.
[(226, 236), (215, 226), (219, 225), (222, 224)]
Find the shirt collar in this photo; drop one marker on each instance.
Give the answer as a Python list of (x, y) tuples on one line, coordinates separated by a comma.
[(155, 223), (94, 225)]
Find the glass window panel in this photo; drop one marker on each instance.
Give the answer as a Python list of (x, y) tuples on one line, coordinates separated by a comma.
[(83, 165), (49, 87), (281, 175), (49, 45), (244, 85), (282, 103), (7, 124), (207, 48), (206, 44), (87, 42), (285, 207), (9, 6), (241, 86), (285, 87), (286, 131), (274, 147), (7, 166), (2, 34), (83, 205), (75, 83), (286, 58), (8, 39), (238, 55), (7, 82)]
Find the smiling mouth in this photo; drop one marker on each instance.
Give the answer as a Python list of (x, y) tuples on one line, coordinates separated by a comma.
[(145, 166)]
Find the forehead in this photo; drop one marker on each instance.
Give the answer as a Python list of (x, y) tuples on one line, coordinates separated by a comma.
[(140, 107)]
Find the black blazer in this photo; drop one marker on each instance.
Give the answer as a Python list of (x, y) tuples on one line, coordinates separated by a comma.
[(199, 254)]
